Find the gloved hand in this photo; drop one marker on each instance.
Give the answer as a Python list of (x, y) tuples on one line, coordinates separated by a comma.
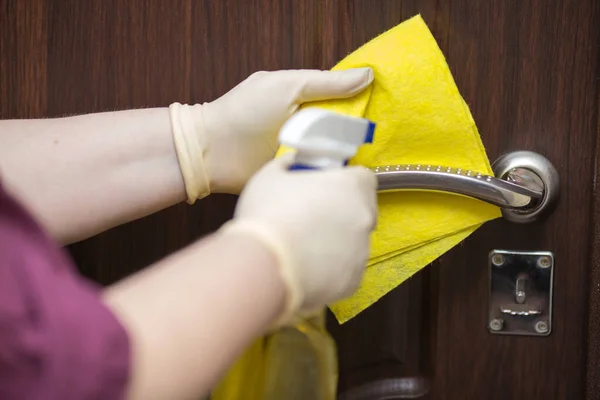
[(316, 223), (221, 144)]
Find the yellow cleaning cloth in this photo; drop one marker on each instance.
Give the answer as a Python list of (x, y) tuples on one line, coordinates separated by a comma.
[(421, 119)]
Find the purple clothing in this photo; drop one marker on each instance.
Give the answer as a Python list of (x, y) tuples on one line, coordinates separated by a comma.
[(57, 339)]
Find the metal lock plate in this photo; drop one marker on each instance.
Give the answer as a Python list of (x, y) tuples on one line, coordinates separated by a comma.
[(520, 292)]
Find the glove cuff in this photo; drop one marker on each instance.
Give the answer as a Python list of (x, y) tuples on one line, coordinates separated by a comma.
[(190, 146), (285, 267)]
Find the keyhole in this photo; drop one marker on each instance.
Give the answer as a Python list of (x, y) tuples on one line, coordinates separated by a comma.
[(521, 288)]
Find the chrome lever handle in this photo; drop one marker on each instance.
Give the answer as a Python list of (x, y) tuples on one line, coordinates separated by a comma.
[(486, 188), (526, 184)]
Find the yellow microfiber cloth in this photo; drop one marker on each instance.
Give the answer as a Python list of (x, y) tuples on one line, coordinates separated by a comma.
[(421, 119)]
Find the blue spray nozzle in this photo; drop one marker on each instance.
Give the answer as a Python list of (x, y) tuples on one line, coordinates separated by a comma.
[(301, 167), (370, 132)]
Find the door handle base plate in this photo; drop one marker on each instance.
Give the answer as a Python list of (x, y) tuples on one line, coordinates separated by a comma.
[(520, 299)]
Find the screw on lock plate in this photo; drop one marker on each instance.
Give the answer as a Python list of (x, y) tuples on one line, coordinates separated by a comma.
[(520, 292)]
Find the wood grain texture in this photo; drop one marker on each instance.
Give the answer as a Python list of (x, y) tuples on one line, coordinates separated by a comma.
[(528, 70), (592, 387), (23, 59)]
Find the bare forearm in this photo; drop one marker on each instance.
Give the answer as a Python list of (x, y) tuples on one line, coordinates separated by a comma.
[(82, 175), (190, 315)]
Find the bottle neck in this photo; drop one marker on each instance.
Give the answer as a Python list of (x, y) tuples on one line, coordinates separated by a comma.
[(318, 319)]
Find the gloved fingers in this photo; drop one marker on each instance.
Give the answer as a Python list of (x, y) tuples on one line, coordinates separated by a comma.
[(273, 169), (355, 275), (276, 166), (323, 85), (284, 161), (365, 177), (367, 182)]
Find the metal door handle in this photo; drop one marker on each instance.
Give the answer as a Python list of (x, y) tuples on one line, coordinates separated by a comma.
[(526, 184), (425, 177)]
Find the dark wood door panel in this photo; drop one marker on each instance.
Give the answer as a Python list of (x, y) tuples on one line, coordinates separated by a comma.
[(22, 59), (528, 70)]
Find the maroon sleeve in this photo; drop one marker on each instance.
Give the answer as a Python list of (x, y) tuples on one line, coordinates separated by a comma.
[(57, 338)]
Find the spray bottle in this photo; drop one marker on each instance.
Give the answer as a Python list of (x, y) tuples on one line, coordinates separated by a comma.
[(301, 360)]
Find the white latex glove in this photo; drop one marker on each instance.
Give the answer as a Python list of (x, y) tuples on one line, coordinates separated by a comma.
[(221, 144), (317, 224)]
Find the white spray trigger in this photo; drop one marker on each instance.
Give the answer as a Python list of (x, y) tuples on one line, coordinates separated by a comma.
[(324, 139)]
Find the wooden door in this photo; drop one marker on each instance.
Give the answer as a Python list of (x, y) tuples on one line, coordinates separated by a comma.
[(527, 69)]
